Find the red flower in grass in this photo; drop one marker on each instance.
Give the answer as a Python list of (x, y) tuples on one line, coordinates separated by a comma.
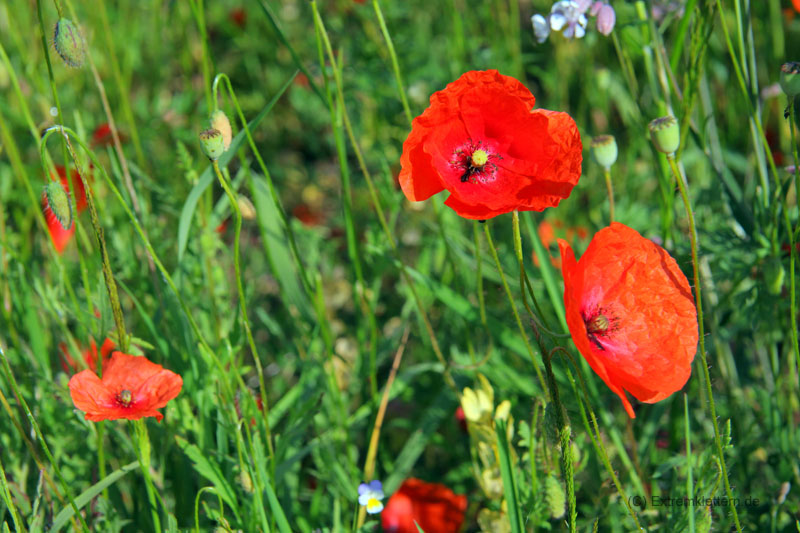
[(89, 356), (631, 314), (132, 387), (796, 4), (431, 505), (480, 140)]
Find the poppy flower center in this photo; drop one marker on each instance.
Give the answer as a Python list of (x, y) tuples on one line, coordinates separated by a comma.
[(599, 323), (125, 397), (475, 163)]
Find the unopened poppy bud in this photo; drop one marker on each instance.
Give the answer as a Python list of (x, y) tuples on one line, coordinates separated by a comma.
[(246, 208), (246, 481), (68, 42), (666, 134), (555, 497), (212, 142), (790, 78), (219, 121), (606, 18), (604, 150), (774, 274), (59, 202)]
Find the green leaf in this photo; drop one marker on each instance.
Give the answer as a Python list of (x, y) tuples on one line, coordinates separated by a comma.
[(89, 494), (211, 471), (185, 220)]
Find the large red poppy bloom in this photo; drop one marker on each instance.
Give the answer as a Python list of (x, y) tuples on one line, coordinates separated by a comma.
[(480, 140), (631, 314), (431, 505), (132, 387)]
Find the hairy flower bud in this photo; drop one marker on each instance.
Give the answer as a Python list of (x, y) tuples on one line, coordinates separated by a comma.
[(213, 143), (59, 203), (666, 134), (219, 121), (68, 42), (790, 78)]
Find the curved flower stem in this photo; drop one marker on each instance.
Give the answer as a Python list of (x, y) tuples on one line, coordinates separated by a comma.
[(393, 55), (143, 451), (610, 188), (243, 303), (40, 436), (493, 250), (108, 276), (701, 334)]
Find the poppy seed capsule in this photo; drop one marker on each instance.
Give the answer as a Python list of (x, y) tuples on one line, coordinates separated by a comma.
[(790, 78), (213, 143), (219, 121), (604, 150), (68, 42), (666, 134), (59, 202)]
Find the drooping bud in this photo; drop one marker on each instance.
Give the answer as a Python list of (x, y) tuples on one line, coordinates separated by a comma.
[(604, 149), (213, 143), (59, 203), (790, 78), (606, 18), (666, 134), (68, 42), (219, 121)]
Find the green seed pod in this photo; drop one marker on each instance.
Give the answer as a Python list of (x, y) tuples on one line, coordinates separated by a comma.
[(69, 43), (59, 203), (790, 78), (219, 121), (774, 275), (604, 149), (212, 142), (554, 497), (666, 134)]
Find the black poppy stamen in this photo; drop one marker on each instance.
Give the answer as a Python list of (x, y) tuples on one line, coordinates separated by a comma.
[(125, 397)]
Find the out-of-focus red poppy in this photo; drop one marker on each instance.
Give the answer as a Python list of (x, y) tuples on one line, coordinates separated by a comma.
[(238, 16), (547, 234), (307, 215), (796, 4), (461, 418), (89, 356), (631, 314), (131, 388), (102, 136), (433, 506), (480, 140)]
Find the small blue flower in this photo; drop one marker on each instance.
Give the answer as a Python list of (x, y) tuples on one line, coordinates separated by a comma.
[(370, 496)]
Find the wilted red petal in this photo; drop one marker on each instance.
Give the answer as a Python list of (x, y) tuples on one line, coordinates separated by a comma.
[(432, 505), (631, 314), (528, 160), (149, 384)]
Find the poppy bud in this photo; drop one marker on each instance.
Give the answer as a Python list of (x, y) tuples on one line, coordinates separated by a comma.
[(68, 42), (666, 134), (246, 207), (219, 121), (604, 150), (246, 482), (606, 18), (554, 496), (59, 202), (790, 78), (774, 275), (213, 143)]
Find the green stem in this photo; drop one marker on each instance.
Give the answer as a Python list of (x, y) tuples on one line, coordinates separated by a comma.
[(701, 333), (610, 189), (143, 451), (793, 249), (243, 302), (524, 335), (19, 525), (393, 55)]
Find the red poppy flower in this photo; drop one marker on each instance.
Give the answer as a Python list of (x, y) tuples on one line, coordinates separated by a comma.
[(89, 356), (132, 387), (433, 506), (796, 4), (631, 314), (480, 140)]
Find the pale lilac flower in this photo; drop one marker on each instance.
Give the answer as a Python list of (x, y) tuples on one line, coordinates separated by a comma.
[(606, 19), (541, 28), (370, 496), (596, 7), (567, 15), (583, 5)]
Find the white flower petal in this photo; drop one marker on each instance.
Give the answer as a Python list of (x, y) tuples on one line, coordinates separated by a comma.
[(557, 21), (541, 28)]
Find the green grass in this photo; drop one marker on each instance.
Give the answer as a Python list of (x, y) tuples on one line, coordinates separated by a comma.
[(304, 307)]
